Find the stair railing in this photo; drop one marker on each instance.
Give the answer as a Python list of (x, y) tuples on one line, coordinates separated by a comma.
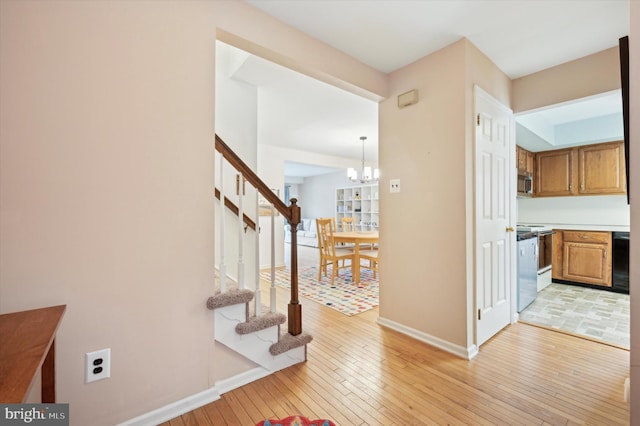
[(290, 213)]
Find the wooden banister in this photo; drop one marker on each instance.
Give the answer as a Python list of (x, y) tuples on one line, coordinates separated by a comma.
[(253, 179), (291, 214), (234, 209)]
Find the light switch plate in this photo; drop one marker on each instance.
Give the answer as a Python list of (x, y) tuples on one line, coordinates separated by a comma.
[(394, 185)]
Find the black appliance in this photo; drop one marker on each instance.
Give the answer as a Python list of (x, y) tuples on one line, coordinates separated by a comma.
[(620, 278)]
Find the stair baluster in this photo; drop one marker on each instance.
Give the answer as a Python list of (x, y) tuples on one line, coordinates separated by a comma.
[(222, 230), (256, 287), (240, 190), (272, 288)]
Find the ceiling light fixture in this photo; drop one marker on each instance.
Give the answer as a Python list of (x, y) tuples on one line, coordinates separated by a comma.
[(368, 174)]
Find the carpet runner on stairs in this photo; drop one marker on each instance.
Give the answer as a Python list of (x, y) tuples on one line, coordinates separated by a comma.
[(254, 324)]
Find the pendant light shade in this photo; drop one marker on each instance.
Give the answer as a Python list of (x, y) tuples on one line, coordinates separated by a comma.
[(367, 174)]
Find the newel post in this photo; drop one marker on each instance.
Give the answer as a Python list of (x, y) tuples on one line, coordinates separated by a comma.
[(295, 309)]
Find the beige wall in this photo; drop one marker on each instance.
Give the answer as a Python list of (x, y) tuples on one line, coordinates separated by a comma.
[(423, 226), (427, 228), (107, 122), (106, 176), (588, 76)]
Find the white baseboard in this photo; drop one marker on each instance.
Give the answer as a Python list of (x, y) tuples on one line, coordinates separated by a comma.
[(190, 403), (241, 379), (174, 409), (462, 352)]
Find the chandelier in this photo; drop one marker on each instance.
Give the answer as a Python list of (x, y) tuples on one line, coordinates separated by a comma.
[(367, 173)]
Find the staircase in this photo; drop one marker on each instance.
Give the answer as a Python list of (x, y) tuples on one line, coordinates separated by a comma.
[(256, 337), (270, 339)]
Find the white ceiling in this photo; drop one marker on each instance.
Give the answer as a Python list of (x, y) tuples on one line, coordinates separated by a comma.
[(520, 37), (586, 121)]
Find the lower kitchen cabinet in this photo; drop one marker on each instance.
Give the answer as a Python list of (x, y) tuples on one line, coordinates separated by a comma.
[(582, 257)]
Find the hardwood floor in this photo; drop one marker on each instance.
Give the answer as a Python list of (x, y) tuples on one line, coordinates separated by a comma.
[(359, 373)]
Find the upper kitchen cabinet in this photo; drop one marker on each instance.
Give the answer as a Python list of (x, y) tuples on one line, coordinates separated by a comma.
[(555, 173), (524, 160), (525, 166), (521, 159), (601, 169), (587, 170)]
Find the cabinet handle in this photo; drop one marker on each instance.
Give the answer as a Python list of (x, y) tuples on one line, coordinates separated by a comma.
[(570, 187), (582, 186), (604, 253)]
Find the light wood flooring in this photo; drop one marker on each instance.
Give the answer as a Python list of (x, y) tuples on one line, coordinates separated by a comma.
[(359, 373)]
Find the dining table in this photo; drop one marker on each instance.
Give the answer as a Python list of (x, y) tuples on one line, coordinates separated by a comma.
[(356, 238)]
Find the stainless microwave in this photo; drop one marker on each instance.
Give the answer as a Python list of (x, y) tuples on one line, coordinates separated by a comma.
[(525, 184)]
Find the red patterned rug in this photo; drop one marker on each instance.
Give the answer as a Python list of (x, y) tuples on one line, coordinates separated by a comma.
[(343, 296), (296, 421)]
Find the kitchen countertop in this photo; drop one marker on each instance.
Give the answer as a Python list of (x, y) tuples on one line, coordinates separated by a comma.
[(577, 227)]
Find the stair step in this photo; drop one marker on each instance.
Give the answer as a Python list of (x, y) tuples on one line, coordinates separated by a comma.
[(231, 297), (267, 320), (288, 342)]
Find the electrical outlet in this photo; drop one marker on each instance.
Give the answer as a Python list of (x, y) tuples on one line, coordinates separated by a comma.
[(394, 185), (97, 365)]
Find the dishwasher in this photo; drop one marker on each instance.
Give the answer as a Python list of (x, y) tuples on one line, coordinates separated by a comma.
[(527, 269), (620, 262)]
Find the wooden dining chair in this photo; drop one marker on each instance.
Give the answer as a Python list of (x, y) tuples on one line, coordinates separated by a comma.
[(371, 256), (329, 254), (348, 225)]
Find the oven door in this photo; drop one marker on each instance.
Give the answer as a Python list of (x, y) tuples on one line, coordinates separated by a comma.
[(545, 245)]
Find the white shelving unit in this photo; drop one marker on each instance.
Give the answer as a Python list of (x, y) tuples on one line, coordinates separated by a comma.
[(361, 203)]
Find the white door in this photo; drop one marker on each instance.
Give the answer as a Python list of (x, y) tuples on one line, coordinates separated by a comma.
[(494, 148)]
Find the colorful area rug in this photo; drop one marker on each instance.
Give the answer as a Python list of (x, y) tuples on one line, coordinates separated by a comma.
[(344, 296), (296, 421)]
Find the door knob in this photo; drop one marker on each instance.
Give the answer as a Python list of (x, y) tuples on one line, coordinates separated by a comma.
[(509, 229)]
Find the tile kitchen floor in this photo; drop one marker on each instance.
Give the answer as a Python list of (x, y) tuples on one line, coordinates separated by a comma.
[(596, 314)]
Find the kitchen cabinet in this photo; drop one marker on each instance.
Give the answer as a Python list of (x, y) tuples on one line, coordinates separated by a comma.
[(524, 160), (582, 257), (587, 170), (601, 169), (554, 174)]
